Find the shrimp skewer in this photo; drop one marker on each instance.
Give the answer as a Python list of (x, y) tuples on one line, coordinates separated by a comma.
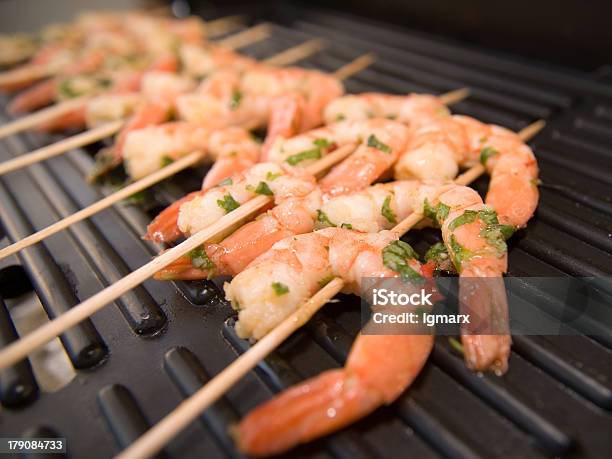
[(379, 368), (73, 111)]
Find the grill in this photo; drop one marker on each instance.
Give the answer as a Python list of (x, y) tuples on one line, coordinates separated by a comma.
[(138, 358)]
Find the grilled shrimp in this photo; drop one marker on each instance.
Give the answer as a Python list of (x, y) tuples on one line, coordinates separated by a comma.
[(201, 208), (378, 369), (405, 109), (149, 149), (461, 141), (380, 144), (254, 99)]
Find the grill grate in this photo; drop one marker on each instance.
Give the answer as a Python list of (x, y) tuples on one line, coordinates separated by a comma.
[(159, 343)]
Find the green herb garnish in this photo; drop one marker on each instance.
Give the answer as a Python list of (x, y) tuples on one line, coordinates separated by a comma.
[(437, 214), (322, 143), (375, 143), (456, 345), (436, 252), (228, 203), (315, 153), (279, 288), (346, 226), (264, 189), (225, 182), (460, 253), (323, 219), (387, 212), (486, 153), (166, 161), (235, 100), (395, 257), (200, 260), (271, 176)]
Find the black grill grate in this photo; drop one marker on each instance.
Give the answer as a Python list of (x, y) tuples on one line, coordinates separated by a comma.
[(138, 358)]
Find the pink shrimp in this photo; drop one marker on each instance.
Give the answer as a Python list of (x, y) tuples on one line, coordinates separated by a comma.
[(385, 138), (380, 142), (405, 109), (379, 367), (195, 211)]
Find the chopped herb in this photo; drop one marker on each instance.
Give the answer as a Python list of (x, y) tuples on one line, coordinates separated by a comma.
[(279, 288), (460, 253), (273, 176), (200, 260), (387, 212), (375, 143), (137, 198), (395, 257), (322, 143), (315, 153), (437, 214), (236, 99), (456, 345), (324, 219), (340, 117), (507, 230), (326, 280), (468, 216), (166, 161), (346, 226), (535, 182), (236, 305), (436, 252), (228, 203), (495, 238), (225, 182), (264, 189), (391, 117), (488, 216), (486, 153), (66, 90)]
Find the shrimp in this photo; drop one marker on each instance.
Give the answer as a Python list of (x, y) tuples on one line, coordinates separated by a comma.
[(379, 367), (149, 149), (251, 99), (441, 144), (455, 141), (201, 61), (405, 109), (474, 237), (199, 209), (380, 142)]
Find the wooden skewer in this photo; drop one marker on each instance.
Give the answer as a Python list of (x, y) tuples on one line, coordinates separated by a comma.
[(20, 349), (31, 72), (355, 66), (56, 149), (246, 37), (183, 415), (223, 25), (213, 28), (164, 431), (240, 40), (41, 116), (297, 53)]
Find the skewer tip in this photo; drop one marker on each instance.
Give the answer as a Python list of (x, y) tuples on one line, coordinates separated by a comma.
[(455, 96)]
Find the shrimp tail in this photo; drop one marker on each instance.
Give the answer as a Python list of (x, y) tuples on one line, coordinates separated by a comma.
[(164, 228), (74, 119), (285, 119), (484, 300), (38, 96), (378, 370)]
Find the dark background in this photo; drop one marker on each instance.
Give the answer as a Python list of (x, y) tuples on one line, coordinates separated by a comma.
[(572, 33)]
